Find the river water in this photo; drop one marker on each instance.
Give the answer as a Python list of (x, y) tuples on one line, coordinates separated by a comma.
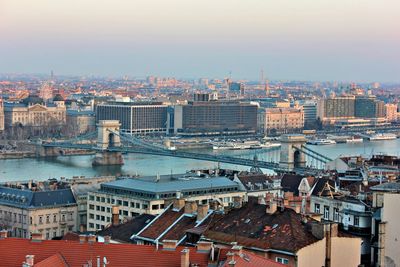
[(41, 169)]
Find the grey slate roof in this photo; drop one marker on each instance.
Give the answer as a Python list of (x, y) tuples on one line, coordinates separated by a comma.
[(35, 199), (388, 187), (140, 185)]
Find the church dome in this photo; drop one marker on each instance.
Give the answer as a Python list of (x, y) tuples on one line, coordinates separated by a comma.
[(33, 99)]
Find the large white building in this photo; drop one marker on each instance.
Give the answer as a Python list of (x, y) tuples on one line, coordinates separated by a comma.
[(151, 195)]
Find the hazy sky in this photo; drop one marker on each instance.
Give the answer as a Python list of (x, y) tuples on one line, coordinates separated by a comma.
[(352, 40)]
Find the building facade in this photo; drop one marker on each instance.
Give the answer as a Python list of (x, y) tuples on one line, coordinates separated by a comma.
[(81, 121), (210, 117), (310, 114), (135, 118), (283, 119), (151, 195), (24, 212), (391, 112), (33, 111)]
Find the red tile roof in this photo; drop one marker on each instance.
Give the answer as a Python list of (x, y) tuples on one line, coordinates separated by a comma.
[(246, 259), (157, 227), (54, 261), (77, 254)]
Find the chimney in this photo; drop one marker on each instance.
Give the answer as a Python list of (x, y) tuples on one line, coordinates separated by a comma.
[(170, 244), (3, 234), (334, 230), (36, 237), (190, 207), (178, 204), (230, 258), (237, 202), (261, 200), (185, 257), (107, 239), (115, 215), (29, 261), (82, 239), (204, 246), (202, 211), (271, 207), (91, 239)]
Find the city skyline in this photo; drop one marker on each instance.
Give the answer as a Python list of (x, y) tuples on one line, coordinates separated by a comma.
[(289, 41)]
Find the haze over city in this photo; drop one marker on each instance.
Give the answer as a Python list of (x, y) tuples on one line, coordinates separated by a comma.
[(304, 40)]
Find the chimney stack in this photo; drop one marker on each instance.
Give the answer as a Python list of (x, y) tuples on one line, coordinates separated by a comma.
[(237, 202), (91, 239), (185, 257), (36, 237), (115, 215), (170, 244), (82, 239), (29, 261), (190, 207), (178, 203), (107, 239), (3, 234), (271, 207), (204, 246), (202, 211)]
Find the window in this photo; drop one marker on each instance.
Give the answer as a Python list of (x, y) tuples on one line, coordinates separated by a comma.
[(119, 202), (108, 210), (154, 207), (125, 213), (145, 206), (336, 214), (55, 218), (356, 221), (91, 225), (91, 207), (48, 219), (91, 197), (125, 203), (91, 216), (317, 208), (282, 260), (137, 205), (40, 220), (326, 213)]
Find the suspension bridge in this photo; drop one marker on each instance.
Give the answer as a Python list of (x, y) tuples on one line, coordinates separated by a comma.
[(110, 145)]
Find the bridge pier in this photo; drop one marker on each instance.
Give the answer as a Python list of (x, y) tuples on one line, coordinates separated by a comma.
[(105, 158), (43, 151), (108, 137), (290, 157)]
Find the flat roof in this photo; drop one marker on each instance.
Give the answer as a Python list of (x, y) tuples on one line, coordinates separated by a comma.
[(171, 185)]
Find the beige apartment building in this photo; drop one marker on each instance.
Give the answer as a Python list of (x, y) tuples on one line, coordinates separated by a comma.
[(24, 212), (33, 111), (391, 113), (282, 119)]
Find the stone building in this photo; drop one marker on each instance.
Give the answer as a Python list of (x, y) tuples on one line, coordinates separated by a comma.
[(34, 112), (81, 121), (282, 119), (24, 212)]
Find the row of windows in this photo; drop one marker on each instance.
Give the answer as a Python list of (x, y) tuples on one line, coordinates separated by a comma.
[(336, 217)]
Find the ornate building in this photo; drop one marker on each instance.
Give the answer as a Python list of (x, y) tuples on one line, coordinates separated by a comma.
[(33, 111)]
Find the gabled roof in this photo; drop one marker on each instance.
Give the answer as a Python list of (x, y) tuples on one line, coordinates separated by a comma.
[(248, 259), (323, 187), (291, 182), (255, 180), (251, 226), (123, 232), (77, 254), (54, 261)]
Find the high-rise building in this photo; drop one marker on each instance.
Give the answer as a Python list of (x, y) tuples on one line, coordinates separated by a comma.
[(367, 106), (310, 113), (341, 107), (135, 118), (210, 117)]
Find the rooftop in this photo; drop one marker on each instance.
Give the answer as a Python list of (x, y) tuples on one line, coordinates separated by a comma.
[(393, 187), (168, 185), (71, 253)]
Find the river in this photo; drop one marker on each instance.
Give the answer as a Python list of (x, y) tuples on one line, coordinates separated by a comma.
[(41, 169)]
